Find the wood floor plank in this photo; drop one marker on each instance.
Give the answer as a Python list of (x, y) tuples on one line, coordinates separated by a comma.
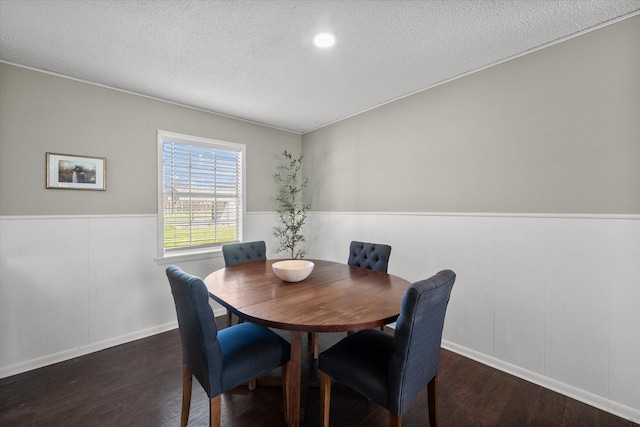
[(549, 409), (459, 396), (492, 401), (578, 414), (348, 408), (519, 409), (140, 383), (606, 419)]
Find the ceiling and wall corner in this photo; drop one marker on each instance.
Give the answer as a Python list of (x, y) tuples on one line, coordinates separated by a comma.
[(552, 132), (254, 60)]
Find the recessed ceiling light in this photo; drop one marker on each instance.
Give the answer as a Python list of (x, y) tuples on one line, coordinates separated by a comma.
[(324, 39)]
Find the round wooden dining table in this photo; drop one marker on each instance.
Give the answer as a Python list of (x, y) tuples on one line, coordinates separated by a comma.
[(335, 297)]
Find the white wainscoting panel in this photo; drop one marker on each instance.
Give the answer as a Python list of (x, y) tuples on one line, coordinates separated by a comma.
[(551, 298), (71, 285)]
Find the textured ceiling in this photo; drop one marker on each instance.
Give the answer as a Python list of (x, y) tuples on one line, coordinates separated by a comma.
[(254, 60)]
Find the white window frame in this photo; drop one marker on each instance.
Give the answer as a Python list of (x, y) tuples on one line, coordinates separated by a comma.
[(193, 253)]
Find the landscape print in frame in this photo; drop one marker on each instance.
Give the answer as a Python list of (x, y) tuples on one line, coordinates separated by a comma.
[(76, 172)]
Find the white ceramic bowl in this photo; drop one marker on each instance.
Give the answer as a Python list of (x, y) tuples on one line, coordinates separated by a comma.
[(293, 270)]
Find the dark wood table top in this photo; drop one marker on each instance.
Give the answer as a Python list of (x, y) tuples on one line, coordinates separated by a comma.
[(335, 297)]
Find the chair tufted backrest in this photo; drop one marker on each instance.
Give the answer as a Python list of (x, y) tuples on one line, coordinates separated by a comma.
[(238, 253), (201, 350), (417, 338), (374, 256)]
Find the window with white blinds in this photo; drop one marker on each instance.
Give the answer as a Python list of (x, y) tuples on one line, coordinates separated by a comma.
[(201, 192)]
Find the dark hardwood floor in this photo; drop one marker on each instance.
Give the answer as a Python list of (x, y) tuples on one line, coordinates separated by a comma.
[(140, 383)]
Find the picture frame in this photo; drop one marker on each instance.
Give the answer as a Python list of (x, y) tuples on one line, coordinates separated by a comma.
[(76, 172)]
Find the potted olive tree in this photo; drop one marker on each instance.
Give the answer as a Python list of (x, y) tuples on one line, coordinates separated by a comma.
[(292, 212)]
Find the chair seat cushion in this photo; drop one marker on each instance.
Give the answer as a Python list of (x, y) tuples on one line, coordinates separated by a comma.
[(362, 361), (240, 344)]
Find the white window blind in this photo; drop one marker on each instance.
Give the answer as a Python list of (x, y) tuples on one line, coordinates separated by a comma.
[(201, 193)]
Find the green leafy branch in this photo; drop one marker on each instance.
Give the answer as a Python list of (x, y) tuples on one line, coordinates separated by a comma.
[(292, 212)]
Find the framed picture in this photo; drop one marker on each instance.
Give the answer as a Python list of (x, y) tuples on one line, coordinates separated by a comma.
[(71, 172)]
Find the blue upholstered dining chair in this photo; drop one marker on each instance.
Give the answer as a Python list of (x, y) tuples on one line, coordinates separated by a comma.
[(238, 253), (374, 256), (220, 360), (392, 369)]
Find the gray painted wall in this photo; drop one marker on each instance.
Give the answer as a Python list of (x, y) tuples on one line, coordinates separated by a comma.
[(85, 260), (554, 131), (524, 179), (40, 112)]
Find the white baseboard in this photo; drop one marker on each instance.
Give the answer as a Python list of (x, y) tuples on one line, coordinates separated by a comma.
[(591, 399), (50, 359)]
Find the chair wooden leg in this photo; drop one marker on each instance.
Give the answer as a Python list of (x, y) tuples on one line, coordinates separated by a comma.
[(215, 410), (187, 380), (325, 399), (314, 345), (432, 390), (286, 379), (395, 420)]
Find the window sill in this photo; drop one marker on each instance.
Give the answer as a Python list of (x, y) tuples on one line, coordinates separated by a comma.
[(189, 256)]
